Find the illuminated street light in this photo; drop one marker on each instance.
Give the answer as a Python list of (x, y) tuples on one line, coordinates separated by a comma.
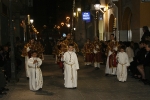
[(74, 29), (79, 9), (97, 5), (74, 14), (62, 23), (31, 21), (68, 25), (58, 27), (67, 18)]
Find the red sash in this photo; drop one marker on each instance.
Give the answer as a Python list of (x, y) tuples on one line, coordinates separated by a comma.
[(61, 65), (113, 60)]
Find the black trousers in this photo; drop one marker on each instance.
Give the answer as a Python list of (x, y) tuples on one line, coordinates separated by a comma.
[(133, 68), (147, 72)]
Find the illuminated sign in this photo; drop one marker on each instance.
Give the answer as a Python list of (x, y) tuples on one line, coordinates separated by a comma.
[(86, 16)]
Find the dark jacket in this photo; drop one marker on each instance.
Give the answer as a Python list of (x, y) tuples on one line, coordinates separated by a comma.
[(147, 59), (145, 35), (141, 56)]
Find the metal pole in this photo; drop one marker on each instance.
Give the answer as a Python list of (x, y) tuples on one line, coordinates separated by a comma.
[(72, 16), (13, 69), (95, 27), (96, 23)]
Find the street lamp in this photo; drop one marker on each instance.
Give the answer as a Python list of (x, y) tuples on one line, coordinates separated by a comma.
[(58, 27), (30, 26), (62, 23), (78, 9), (12, 54), (74, 14), (97, 7), (31, 21), (68, 25), (67, 19)]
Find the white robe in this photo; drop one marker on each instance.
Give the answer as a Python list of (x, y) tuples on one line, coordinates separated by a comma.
[(96, 64), (70, 69), (108, 70), (35, 74), (130, 53), (123, 62), (26, 63)]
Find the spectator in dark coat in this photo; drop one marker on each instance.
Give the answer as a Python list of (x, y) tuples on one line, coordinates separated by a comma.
[(146, 34)]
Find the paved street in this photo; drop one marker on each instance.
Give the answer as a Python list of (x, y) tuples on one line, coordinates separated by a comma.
[(92, 85)]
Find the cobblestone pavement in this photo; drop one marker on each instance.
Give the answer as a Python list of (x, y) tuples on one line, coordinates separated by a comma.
[(92, 85)]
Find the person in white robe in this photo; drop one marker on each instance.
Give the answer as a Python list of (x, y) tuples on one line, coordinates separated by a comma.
[(71, 66), (130, 53), (112, 48), (26, 52), (123, 63), (35, 74)]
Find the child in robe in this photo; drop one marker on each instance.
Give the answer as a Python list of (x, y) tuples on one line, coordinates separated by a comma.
[(35, 74), (71, 66), (123, 63)]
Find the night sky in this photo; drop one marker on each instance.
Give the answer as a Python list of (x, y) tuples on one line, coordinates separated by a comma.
[(50, 12)]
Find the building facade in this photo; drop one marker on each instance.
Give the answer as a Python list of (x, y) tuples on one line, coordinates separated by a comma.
[(124, 18), (18, 8)]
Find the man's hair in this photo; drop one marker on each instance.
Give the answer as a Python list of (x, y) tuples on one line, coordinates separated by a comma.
[(68, 33), (71, 45), (112, 34), (33, 52), (141, 42), (88, 39), (122, 47), (148, 44), (146, 28)]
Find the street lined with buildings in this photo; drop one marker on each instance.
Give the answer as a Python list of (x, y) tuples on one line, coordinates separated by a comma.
[(92, 85)]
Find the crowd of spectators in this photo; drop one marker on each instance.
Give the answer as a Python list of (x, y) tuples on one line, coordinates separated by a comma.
[(5, 64), (139, 56)]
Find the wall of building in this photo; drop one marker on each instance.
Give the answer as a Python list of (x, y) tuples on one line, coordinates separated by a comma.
[(144, 15), (133, 24), (4, 19), (4, 29), (108, 23), (140, 17)]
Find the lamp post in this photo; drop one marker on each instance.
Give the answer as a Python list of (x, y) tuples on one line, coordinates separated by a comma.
[(79, 9), (68, 25), (62, 23), (78, 12), (13, 68), (30, 27), (58, 27), (73, 14), (97, 7), (31, 21), (67, 20)]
